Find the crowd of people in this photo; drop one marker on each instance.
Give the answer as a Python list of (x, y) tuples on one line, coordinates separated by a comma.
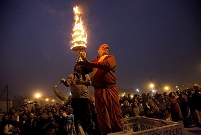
[(58, 119), (178, 106)]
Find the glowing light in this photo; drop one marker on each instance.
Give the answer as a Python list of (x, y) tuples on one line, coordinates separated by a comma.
[(46, 99), (151, 85), (166, 88), (79, 35), (37, 95), (123, 94)]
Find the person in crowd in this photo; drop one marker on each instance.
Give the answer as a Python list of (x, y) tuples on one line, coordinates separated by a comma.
[(196, 104), (166, 97), (22, 119), (130, 99), (25, 109), (61, 122), (47, 124), (144, 106), (20, 109), (31, 125), (69, 123), (105, 90), (54, 111), (12, 111), (185, 110), (4, 122), (53, 122), (175, 110), (126, 109), (12, 127), (163, 106), (136, 99), (148, 106), (43, 123), (136, 110), (154, 110), (122, 99), (38, 112), (79, 82)]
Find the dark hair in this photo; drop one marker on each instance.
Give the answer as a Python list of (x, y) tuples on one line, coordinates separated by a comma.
[(84, 71), (157, 96), (171, 94)]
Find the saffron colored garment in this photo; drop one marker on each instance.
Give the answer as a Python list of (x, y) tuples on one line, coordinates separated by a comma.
[(107, 104), (108, 110)]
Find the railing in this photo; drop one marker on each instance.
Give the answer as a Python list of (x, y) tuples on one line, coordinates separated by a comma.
[(149, 126)]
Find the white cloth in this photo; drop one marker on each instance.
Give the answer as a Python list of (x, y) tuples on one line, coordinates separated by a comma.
[(7, 129)]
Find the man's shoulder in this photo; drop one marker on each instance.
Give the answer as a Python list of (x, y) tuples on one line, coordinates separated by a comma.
[(71, 75), (109, 56), (105, 58)]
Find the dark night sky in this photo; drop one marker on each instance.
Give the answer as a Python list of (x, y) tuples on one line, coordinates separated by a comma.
[(158, 38)]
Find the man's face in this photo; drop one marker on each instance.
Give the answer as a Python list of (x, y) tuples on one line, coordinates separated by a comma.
[(31, 115), (78, 68), (103, 50), (6, 117), (13, 110), (24, 116), (197, 88)]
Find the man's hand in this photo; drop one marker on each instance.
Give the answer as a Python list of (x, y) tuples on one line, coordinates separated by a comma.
[(84, 63), (64, 114), (63, 80), (83, 55)]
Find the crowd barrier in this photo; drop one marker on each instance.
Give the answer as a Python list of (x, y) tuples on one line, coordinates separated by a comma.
[(149, 126)]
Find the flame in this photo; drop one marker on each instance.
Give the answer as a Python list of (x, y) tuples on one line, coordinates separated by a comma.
[(79, 36)]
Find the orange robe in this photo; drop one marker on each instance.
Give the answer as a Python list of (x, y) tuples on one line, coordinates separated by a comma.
[(108, 109), (107, 104)]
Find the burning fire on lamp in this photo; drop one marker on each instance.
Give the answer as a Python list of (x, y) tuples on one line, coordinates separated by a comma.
[(78, 35)]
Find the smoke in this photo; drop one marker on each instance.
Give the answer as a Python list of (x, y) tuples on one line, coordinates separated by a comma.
[(84, 6)]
